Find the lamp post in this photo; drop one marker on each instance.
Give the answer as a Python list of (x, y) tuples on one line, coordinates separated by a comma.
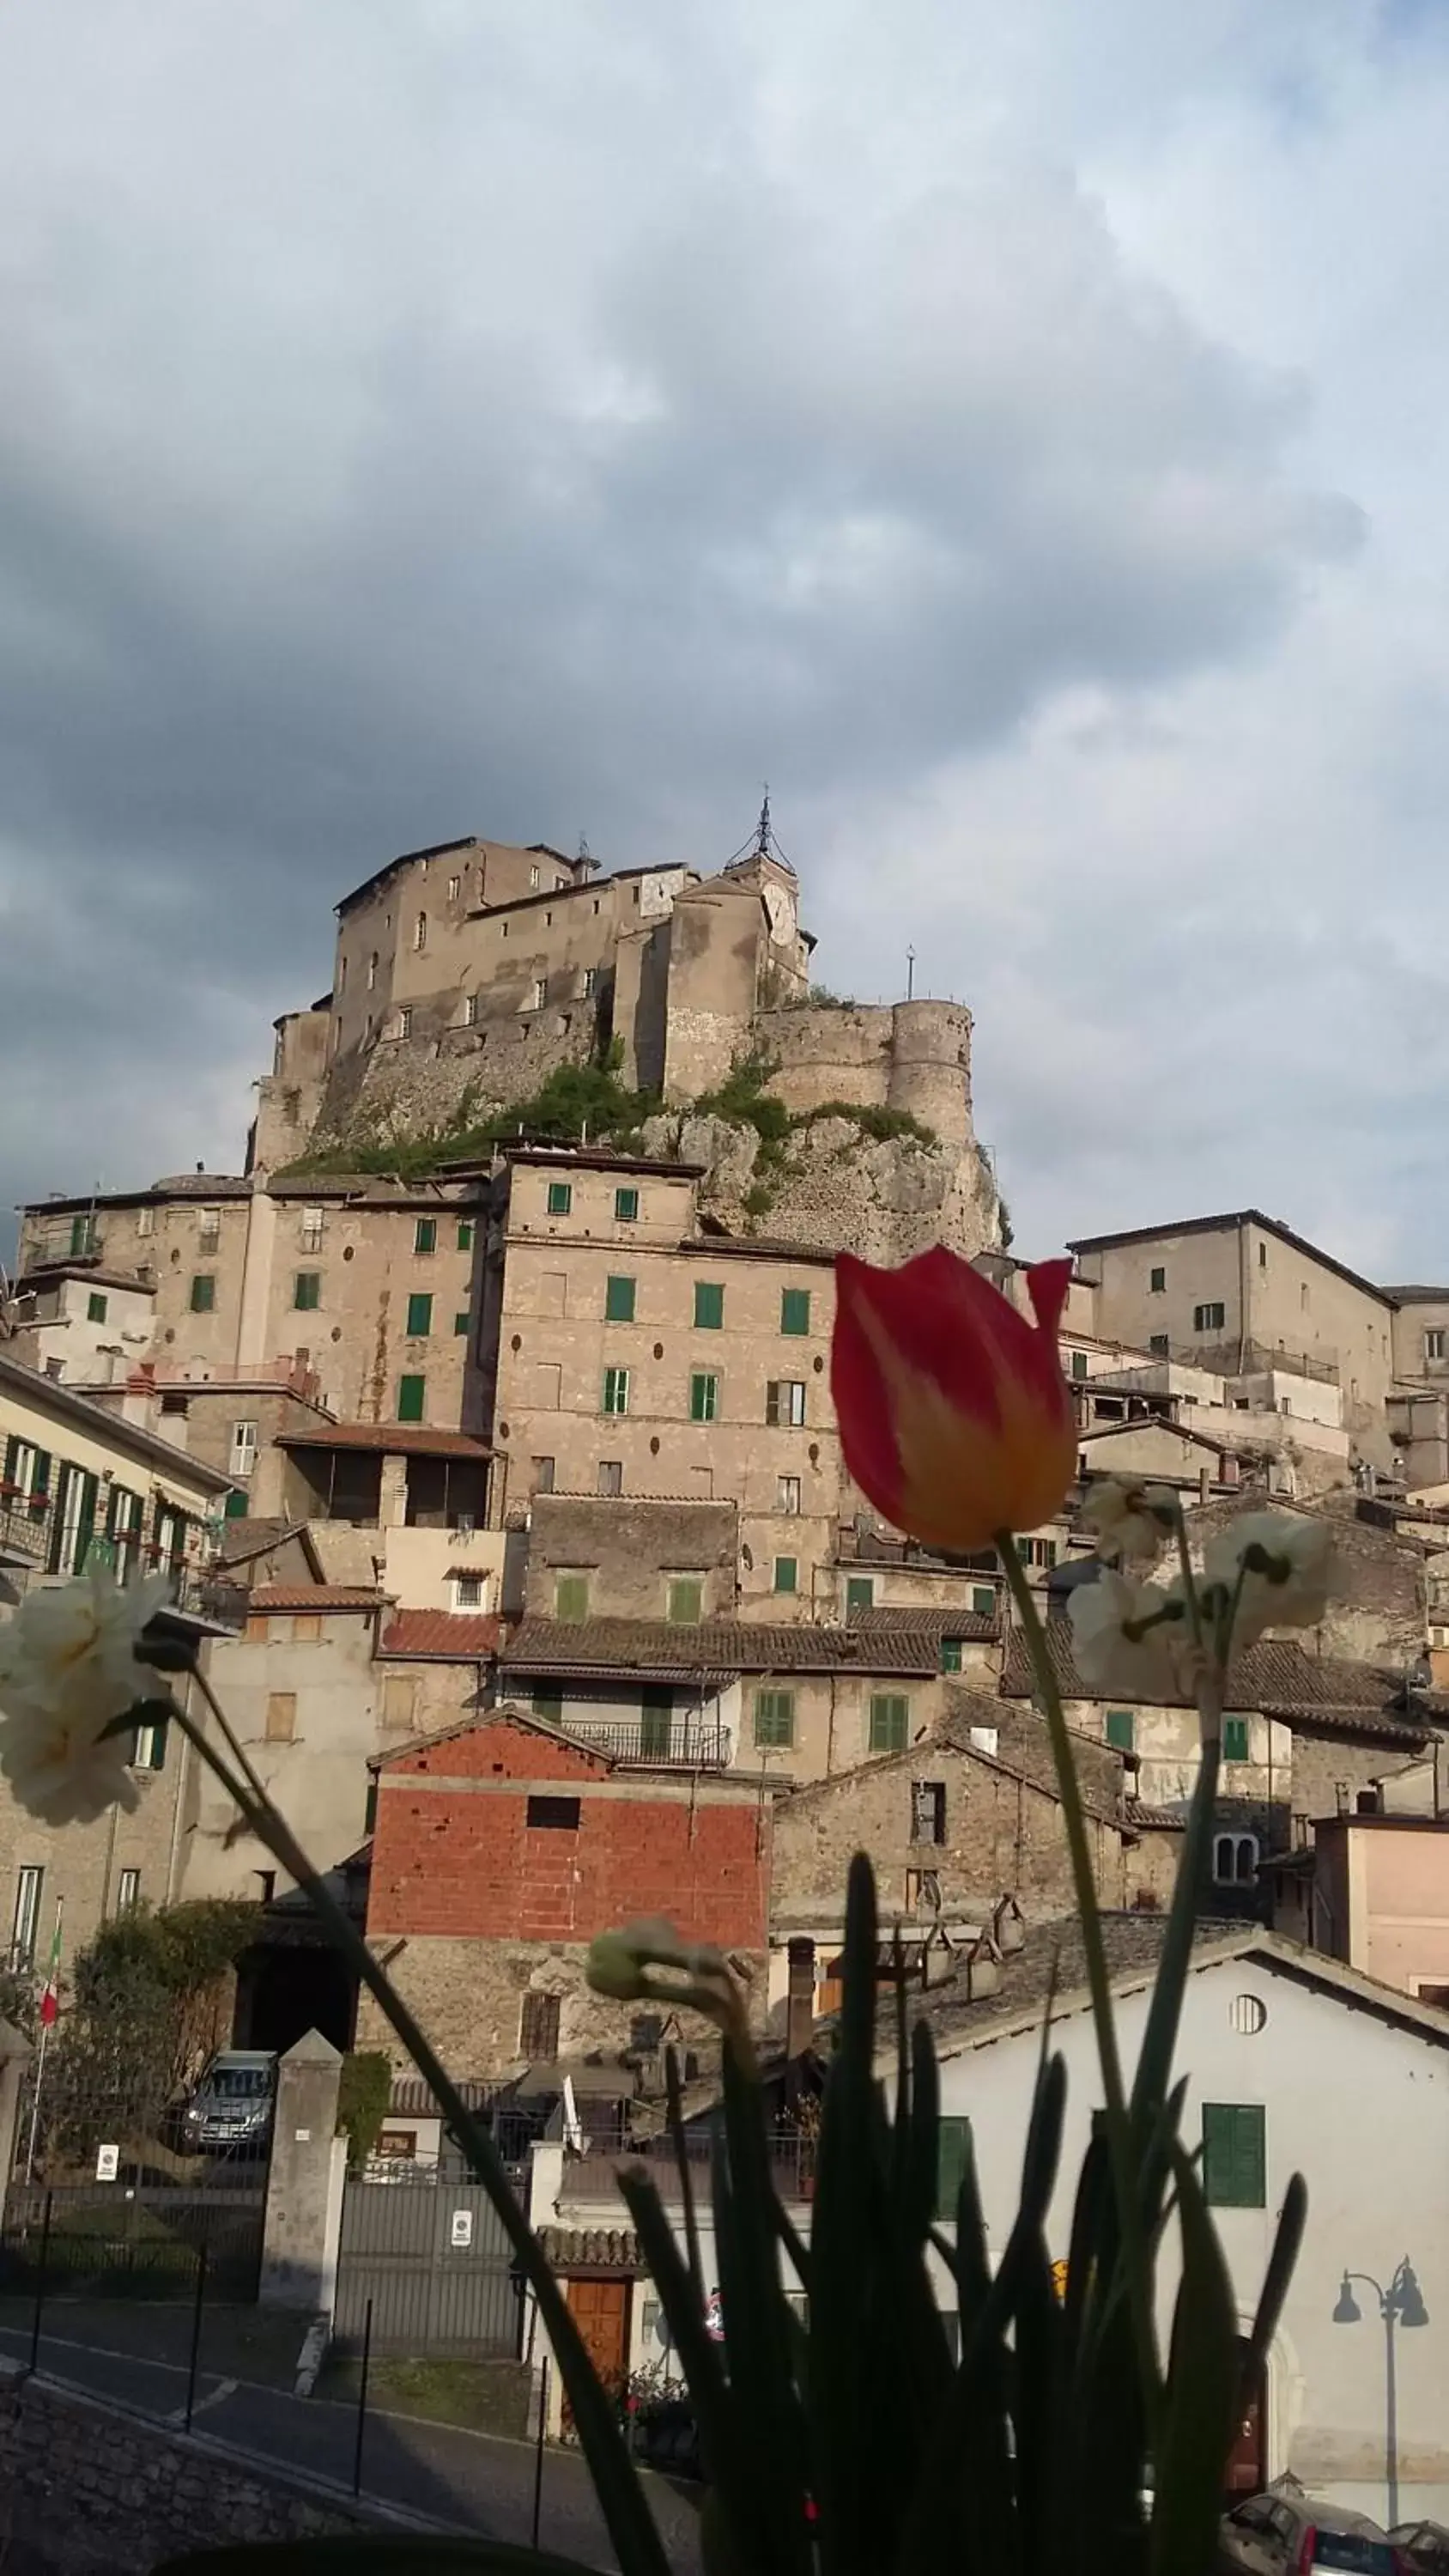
[(1401, 2304)]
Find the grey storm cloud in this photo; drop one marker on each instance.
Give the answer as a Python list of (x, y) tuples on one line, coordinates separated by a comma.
[(448, 418)]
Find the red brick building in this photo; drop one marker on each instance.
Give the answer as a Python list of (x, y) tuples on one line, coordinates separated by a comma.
[(502, 1846)]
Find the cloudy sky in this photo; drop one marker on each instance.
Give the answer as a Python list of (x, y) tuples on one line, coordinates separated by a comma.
[(1013, 428)]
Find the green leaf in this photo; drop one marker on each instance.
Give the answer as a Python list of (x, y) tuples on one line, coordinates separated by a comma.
[(1202, 2389), (1159, 2040)]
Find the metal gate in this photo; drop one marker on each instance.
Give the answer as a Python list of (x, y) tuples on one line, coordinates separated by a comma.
[(428, 2249), (134, 2239)]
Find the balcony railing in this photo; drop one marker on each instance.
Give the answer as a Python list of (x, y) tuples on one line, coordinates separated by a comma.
[(594, 2176), (25, 1526), (684, 1744)]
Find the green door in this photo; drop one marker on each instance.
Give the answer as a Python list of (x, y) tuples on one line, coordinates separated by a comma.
[(656, 1725)]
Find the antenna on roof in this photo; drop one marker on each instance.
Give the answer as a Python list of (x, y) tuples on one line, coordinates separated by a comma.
[(762, 835), (762, 843)]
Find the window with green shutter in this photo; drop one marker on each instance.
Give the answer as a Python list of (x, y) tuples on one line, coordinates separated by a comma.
[(656, 1723), (1235, 1739), (420, 1315), (626, 1207), (148, 1746), (425, 1234), (950, 1654), (703, 1396), (889, 1717), (774, 1717), (983, 1600), (235, 1506), (859, 1593), (1121, 1728), (460, 1320), (82, 1237), (686, 1600), (560, 1198), (410, 1395), (616, 1390), (465, 1234), (794, 1310), (571, 1596), (618, 1301), (953, 2145), (96, 1307), (787, 1574), (203, 1293), (1235, 2155), (708, 1306), (307, 1291)]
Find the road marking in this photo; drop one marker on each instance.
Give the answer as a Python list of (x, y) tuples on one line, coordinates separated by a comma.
[(223, 2388)]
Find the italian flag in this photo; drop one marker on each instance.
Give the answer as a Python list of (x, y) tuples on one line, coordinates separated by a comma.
[(50, 1993)]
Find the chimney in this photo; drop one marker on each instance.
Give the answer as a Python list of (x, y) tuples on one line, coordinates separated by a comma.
[(800, 1997)]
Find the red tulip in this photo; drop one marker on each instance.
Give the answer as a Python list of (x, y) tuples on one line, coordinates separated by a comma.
[(955, 1416)]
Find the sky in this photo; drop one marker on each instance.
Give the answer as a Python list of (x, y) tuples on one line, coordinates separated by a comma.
[(1015, 431)]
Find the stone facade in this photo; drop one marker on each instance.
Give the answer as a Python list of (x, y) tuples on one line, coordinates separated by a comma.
[(631, 1553)]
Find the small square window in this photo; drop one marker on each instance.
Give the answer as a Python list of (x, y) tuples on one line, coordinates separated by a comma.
[(616, 1390), (425, 1234), (787, 1574), (460, 1320), (1235, 1739), (703, 1396), (859, 1593), (1121, 1729), (1262, 1256), (467, 1591), (983, 1600), (889, 1719), (1079, 1364), (539, 994), (774, 1717), (420, 1315), (281, 1717), (128, 1891), (553, 1815), (540, 1476), (787, 1494), (950, 1654), (1159, 1346), (618, 1301), (928, 1811), (794, 1310), (465, 1234), (686, 1600), (203, 1293), (708, 1306), (571, 1596), (455, 888), (410, 1396), (1209, 1318), (307, 1291), (611, 1475), (96, 1308), (538, 2028), (1434, 1344), (1157, 1282), (560, 1198), (626, 1207), (785, 1403), (405, 1021)]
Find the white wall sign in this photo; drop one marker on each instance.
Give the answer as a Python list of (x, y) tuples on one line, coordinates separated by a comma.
[(108, 2161), (462, 2228)]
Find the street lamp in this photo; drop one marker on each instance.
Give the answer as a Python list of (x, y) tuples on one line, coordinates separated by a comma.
[(1401, 2304)]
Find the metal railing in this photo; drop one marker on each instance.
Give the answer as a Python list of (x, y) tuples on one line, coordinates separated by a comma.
[(594, 2175), (684, 1744), (25, 1524)]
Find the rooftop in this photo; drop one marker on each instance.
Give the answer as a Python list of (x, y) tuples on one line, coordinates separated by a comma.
[(393, 1439), (111, 1429), (1275, 1676), (903, 1644), (453, 1636), (314, 1596)]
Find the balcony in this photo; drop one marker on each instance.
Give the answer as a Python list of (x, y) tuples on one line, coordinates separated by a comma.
[(25, 1527), (594, 2176), (674, 1744)]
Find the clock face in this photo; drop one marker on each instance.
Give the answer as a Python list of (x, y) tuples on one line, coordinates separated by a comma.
[(780, 913)]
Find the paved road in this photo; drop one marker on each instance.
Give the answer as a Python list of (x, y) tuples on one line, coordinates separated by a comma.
[(479, 2481)]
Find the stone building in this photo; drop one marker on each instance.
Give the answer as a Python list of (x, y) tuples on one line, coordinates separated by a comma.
[(81, 1487), (502, 1847), (1241, 1293)]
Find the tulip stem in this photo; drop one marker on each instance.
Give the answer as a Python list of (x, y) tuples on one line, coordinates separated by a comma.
[(1119, 2137)]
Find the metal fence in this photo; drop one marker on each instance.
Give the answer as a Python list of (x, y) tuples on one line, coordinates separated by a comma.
[(425, 2248), (595, 2173), (142, 2241)]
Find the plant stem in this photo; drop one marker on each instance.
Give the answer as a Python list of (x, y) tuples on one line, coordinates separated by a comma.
[(1119, 2144), (621, 2497)]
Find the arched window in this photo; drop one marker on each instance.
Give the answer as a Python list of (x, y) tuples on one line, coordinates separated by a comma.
[(1235, 1860)]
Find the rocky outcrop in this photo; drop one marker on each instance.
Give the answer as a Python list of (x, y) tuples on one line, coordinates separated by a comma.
[(831, 1184)]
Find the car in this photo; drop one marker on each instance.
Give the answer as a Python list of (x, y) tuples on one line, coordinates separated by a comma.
[(1424, 2547), (1284, 2533), (230, 2110)]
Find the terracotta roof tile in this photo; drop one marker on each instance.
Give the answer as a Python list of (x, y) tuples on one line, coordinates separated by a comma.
[(650, 1646), (396, 1439), (1276, 1676), (592, 2249), (453, 1634)]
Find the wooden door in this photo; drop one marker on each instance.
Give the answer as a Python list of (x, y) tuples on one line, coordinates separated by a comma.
[(1247, 2462), (601, 2313)]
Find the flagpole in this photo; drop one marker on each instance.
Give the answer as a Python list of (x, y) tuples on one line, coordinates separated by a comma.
[(49, 2007)]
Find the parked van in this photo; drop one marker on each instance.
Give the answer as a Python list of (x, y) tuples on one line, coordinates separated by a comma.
[(232, 2105)]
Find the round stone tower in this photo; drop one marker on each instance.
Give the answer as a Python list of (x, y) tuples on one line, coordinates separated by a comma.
[(930, 1068)]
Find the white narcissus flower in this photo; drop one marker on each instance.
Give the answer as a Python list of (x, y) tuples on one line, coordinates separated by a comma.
[(67, 1667), (1129, 1638), (1285, 1584), (1131, 1521)]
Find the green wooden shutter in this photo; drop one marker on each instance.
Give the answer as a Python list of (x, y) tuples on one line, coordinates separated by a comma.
[(888, 1720), (420, 1315), (774, 1717), (859, 1593), (983, 1600), (953, 2145), (425, 1234), (1235, 2155), (626, 1207), (794, 1310), (85, 1521), (410, 1393), (950, 1654), (1121, 1729), (1235, 1739), (571, 1597), (787, 1574), (708, 1306), (465, 1234), (703, 1396), (560, 1198), (12, 1457), (460, 1320), (618, 1301), (656, 1724)]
